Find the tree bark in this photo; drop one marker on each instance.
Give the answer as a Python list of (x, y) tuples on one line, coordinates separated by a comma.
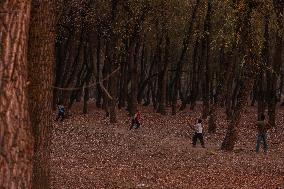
[(41, 57), (16, 140)]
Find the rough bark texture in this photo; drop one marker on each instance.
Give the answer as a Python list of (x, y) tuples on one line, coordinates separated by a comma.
[(41, 57), (16, 141)]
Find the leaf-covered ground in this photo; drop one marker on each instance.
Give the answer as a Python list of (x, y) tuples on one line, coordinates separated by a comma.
[(88, 152)]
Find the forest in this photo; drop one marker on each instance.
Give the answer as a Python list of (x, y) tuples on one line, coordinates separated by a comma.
[(184, 69)]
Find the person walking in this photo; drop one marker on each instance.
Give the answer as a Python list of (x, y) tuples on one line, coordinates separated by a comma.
[(198, 134), (262, 128)]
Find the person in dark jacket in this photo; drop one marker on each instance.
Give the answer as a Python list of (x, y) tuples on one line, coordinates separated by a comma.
[(262, 128), (61, 112)]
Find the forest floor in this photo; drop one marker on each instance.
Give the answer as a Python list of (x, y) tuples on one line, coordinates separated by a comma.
[(88, 152)]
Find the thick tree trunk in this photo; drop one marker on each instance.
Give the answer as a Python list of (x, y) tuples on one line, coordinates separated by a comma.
[(16, 140), (41, 57), (233, 127), (249, 70)]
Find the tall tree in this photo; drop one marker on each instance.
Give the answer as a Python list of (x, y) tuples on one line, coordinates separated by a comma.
[(276, 63), (41, 57), (16, 141), (180, 62), (206, 42), (246, 41)]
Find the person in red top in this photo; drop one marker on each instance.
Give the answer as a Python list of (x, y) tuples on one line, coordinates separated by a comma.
[(136, 121)]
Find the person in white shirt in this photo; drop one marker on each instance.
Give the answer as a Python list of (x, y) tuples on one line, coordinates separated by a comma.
[(198, 134)]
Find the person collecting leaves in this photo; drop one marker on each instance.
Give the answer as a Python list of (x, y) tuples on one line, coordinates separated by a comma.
[(262, 127), (135, 123)]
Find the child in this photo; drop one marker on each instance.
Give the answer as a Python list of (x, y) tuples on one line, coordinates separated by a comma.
[(61, 111), (135, 123), (198, 134)]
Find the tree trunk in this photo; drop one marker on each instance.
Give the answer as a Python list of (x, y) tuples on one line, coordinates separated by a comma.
[(276, 64), (113, 85), (179, 67), (16, 140), (194, 80), (212, 123), (206, 41), (134, 80), (86, 98), (277, 61), (98, 87), (247, 43), (105, 72), (163, 80), (41, 57), (265, 61)]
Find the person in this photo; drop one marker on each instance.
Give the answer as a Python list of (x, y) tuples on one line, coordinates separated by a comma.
[(135, 123), (198, 134), (61, 112), (262, 128)]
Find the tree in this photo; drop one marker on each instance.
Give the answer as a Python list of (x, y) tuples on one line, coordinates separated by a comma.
[(16, 140), (180, 62), (276, 63), (41, 57), (247, 43)]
